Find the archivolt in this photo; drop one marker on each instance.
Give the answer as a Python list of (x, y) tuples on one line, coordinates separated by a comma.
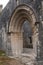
[(21, 13)]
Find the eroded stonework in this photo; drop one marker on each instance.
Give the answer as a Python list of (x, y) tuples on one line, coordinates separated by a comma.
[(11, 21)]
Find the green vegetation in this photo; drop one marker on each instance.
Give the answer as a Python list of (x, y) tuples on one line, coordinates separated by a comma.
[(2, 53), (3, 58)]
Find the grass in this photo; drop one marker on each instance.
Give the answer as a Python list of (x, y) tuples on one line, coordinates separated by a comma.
[(2, 53), (3, 58)]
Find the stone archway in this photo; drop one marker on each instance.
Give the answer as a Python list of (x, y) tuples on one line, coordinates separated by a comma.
[(20, 14)]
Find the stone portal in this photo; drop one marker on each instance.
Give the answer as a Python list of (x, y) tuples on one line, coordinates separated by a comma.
[(20, 14)]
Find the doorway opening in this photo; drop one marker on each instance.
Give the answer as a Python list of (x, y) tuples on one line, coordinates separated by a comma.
[(27, 37), (23, 31)]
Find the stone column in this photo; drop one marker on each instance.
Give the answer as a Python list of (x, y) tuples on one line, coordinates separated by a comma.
[(17, 43), (35, 41)]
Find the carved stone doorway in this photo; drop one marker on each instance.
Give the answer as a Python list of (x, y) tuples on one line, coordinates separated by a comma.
[(20, 14)]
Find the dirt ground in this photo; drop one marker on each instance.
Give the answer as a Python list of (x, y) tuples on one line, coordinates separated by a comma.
[(8, 61), (4, 60)]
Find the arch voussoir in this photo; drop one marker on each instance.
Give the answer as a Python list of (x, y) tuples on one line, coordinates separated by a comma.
[(20, 12)]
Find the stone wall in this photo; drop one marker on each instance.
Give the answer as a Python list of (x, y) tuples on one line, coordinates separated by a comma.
[(4, 20), (0, 29)]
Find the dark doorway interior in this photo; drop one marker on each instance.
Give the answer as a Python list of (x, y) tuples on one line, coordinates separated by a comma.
[(27, 36)]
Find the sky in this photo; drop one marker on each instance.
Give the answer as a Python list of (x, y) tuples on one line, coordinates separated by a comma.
[(4, 2)]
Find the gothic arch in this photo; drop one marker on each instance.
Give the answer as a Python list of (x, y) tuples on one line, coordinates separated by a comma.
[(21, 13)]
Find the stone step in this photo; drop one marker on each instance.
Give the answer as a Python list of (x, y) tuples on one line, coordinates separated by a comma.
[(30, 63), (27, 59)]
